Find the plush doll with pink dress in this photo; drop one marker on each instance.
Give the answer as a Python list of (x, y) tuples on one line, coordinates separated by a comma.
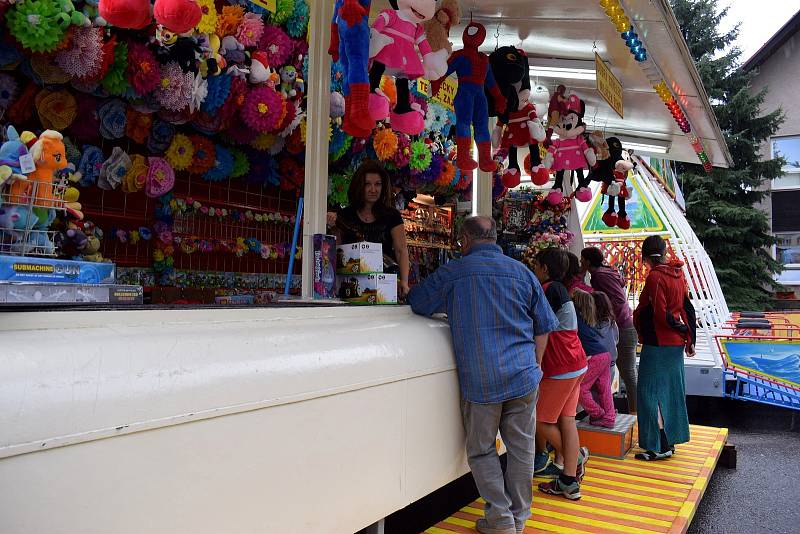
[(398, 47), (570, 152)]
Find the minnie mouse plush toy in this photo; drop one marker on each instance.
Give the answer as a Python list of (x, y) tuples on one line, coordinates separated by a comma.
[(398, 47), (570, 151)]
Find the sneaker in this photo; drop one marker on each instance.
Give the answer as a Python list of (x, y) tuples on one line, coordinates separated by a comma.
[(649, 456), (551, 471), (583, 457), (555, 487), (540, 462), (482, 526)]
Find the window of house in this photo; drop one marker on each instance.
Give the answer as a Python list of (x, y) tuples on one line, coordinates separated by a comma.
[(789, 149)]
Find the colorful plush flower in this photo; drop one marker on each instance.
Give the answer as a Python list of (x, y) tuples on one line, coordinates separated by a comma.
[(175, 88), (263, 170), (160, 137), (228, 20), (262, 109), (403, 153), (241, 163), (90, 164), (208, 22), (292, 174), (338, 185), (277, 45), (250, 30), (235, 100), (447, 175), (219, 87), (299, 53), (199, 92), (144, 72), (294, 143), (298, 22), (138, 126), (420, 156), (180, 153), (433, 171), (136, 177), (113, 118), (115, 81), (207, 123), (264, 141), (223, 165), (204, 155), (34, 24), (84, 56), (283, 10), (160, 181), (385, 143), (114, 169)]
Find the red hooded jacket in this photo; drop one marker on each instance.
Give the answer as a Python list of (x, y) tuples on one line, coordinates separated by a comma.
[(665, 316)]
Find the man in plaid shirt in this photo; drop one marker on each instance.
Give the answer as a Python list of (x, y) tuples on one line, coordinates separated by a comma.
[(500, 321)]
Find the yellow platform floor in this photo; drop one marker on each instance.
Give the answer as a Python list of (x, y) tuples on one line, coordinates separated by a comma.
[(622, 495)]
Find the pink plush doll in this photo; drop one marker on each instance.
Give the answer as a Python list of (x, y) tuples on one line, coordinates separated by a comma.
[(398, 47), (570, 152)]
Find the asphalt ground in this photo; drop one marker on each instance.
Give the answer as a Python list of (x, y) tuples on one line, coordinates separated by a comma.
[(762, 495)]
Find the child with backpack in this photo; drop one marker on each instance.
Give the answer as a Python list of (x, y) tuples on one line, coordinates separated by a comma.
[(563, 365)]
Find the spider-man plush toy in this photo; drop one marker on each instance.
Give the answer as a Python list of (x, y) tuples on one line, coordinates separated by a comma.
[(474, 73)]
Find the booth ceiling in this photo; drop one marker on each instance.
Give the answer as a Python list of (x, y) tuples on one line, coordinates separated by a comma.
[(570, 30)]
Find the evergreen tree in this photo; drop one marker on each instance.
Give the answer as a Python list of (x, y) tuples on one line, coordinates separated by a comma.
[(721, 205)]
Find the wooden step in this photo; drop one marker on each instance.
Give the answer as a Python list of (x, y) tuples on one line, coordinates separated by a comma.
[(609, 442)]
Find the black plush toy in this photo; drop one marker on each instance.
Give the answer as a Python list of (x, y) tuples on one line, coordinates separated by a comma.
[(612, 172), (518, 126)]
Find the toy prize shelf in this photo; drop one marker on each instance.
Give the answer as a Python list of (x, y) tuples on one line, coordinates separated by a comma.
[(429, 232)]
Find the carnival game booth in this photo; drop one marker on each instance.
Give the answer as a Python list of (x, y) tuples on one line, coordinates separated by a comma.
[(202, 168)]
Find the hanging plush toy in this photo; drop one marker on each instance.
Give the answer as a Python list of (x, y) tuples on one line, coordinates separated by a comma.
[(557, 107), (518, 126), (612, 171), (292, 85), (438, 28), (130, 14), (178, 16), (350, 45), (570, 152), (472, 113), (398, 47)]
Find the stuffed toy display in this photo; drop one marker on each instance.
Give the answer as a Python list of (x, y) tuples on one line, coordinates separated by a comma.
[(438, 28), (130, 14), (472, 111), (177, 16), (49, 156), (350, 41), (398, 47), (612, 171), (570, 152), (519, 125)]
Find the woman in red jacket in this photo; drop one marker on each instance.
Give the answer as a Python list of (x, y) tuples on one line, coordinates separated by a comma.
[(666, 323)]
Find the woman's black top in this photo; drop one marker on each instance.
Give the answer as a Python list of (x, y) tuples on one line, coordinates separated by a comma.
[(353, 229)]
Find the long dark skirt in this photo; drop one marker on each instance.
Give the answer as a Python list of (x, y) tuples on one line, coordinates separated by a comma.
[(661, 384)]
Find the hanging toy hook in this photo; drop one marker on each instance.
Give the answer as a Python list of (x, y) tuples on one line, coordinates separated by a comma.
[(497, 36)]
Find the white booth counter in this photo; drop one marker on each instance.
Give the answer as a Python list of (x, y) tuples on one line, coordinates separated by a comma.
[(269, 420)]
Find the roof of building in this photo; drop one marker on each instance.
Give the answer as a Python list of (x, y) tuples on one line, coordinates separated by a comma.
[(774, 43)]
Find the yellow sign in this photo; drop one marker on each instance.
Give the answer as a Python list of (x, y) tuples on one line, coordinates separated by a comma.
[(269, 5), (447, 91), (608, 85)]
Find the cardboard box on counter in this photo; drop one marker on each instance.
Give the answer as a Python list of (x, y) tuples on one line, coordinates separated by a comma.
[(375, 288), (53, 270), (359, 257), (22, 293)]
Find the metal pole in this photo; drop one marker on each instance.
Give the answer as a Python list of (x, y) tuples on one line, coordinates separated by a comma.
[(294, 246), (315, 190)]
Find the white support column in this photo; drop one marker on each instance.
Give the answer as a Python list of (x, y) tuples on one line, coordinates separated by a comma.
[(315, 191), (482, 186)]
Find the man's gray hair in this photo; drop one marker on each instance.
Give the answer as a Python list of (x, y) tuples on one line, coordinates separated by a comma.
[(480, 228)]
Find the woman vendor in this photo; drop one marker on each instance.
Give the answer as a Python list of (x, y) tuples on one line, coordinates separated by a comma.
[(371, 216)]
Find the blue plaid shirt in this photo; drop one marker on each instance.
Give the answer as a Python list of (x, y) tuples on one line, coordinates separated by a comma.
[(495, 307)]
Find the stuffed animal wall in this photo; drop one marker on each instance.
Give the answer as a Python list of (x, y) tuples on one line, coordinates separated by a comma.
[(570, 152), (350, 45), (519, 126), (612, 171), (437, 29), (472, 112), (398, 47)]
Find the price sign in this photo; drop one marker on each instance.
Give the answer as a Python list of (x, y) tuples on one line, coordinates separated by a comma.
[(608, 85)]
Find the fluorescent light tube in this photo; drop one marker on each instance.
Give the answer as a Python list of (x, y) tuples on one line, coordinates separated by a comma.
[(563, 72)]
